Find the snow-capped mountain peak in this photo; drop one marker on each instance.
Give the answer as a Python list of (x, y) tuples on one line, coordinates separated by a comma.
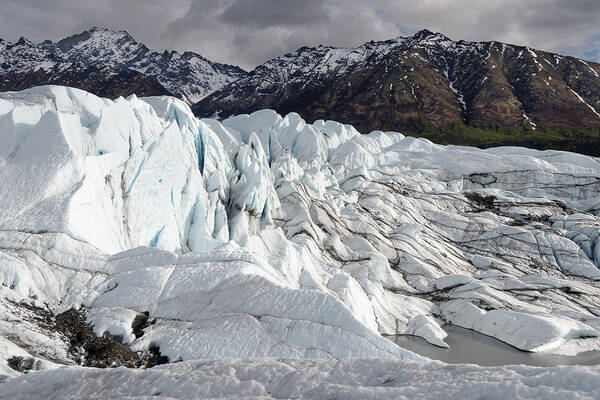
[(101, 42), (426, 34)]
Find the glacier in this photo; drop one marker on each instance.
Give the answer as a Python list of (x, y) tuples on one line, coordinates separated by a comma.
[(309, 379), (265, 236)]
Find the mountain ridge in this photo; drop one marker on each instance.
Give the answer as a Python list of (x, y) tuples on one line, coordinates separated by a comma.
[(187, 75), (457, 92)]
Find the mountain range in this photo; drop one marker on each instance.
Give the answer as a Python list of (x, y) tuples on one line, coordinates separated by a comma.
[(471, 93), (113, 63)]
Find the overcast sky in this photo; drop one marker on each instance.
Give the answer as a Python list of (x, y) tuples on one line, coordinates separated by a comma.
[(249, 32)]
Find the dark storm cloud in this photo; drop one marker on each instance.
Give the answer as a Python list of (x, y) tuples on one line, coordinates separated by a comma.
[(248, 32), (261, 14)]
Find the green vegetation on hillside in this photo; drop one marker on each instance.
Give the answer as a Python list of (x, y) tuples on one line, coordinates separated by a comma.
[(582, 140)]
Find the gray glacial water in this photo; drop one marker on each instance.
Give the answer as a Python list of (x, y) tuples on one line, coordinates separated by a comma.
[(470, 347)]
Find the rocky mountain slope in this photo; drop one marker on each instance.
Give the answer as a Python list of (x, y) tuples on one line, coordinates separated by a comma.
[(111, 62), (105, 82), (265, 236), (475, 93)]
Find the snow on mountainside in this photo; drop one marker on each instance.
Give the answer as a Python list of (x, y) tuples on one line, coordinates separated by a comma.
[(188, 75), (265, 236)]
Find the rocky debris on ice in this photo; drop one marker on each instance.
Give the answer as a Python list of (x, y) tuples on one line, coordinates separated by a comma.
[(265, 236)]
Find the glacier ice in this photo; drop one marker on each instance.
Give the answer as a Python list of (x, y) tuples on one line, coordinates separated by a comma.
[(310, 379), (266, 236)]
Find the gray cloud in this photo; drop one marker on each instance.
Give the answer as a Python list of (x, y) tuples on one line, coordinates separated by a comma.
[(262, 14), (42, 19), (248, 32)]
